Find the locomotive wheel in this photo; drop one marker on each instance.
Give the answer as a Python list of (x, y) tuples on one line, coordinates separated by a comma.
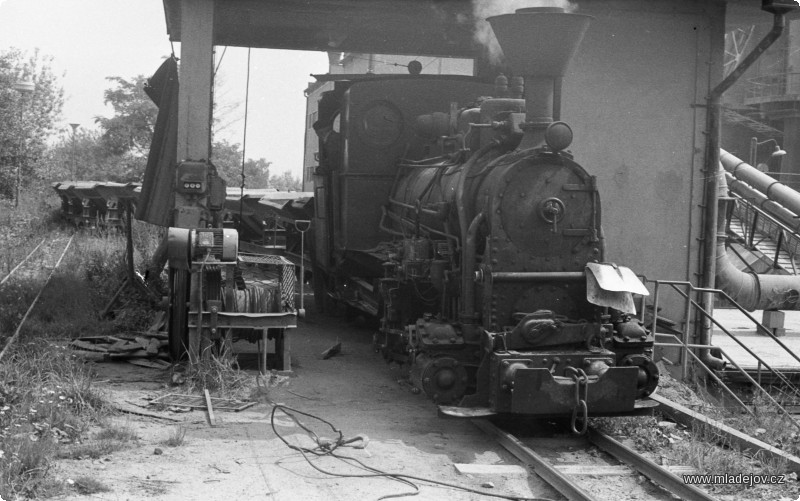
[(647, 380), (178, 313), (443, 379)]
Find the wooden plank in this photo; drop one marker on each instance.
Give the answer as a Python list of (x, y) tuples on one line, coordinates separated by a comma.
[(597, 470), (491, 469), (123, 345), (143, 362), (746, 443), (89, 346), (209, 408), (610, 470), (140, 412)]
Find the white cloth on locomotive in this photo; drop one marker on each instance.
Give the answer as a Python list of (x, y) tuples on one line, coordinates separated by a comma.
[(257, 298)]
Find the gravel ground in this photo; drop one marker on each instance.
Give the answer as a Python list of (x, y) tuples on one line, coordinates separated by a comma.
[(242, 458)]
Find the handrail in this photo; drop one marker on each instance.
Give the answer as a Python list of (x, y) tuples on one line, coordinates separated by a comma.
[(722, 293), (684, 340), (723, 385), (776, 230), (773, 85)]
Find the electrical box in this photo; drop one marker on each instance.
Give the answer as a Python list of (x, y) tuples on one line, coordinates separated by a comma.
[(192, 178)]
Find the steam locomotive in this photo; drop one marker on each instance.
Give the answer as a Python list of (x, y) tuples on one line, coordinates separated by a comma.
[(464, 224)]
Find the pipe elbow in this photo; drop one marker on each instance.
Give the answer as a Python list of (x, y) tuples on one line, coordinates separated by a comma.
[(756, 291)]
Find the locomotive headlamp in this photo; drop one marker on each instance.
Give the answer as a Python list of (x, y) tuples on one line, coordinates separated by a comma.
[(558, 136)]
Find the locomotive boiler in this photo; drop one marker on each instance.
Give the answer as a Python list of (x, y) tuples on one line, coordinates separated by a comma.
[(452, 210)]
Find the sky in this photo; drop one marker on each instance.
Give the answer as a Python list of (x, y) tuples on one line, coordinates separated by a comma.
[(94, 39)]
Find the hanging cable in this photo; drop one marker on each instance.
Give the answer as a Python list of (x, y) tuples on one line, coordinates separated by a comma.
[(244, 138), (224, 50)]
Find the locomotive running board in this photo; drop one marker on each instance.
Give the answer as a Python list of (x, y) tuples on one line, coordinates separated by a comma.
[(448, 411), (643, 407)]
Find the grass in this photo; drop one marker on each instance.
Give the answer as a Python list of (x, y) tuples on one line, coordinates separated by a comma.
[(88, 485), (176, 438), (218, 374), (710, 452), (117, 433), (47, 396), (111, 438)]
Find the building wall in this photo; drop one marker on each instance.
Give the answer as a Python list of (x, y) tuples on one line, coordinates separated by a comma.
[(630, 97)]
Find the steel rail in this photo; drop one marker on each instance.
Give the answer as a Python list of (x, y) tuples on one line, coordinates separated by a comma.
[(649, 469), (569, 489), (30, 308), (537, 463), (21, 262)]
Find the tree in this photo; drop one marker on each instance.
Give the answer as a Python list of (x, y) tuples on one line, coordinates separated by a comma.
[(125, 138), (130, 130), (227, 158), (82, 157), (285, 182), (28, 120)]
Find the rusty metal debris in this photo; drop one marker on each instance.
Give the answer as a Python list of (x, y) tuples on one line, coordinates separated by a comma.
[(333, 350), (146, 349), (199, 402)]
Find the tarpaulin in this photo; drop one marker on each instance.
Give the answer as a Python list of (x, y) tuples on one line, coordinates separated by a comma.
[(157, 199)]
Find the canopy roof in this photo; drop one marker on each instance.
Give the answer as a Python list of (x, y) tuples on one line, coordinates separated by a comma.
[(419, 27)]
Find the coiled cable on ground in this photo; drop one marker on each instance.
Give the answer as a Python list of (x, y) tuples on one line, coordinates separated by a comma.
[(328, 448)]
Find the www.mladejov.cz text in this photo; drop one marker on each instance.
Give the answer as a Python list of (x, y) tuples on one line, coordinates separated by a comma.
[(747, 479)]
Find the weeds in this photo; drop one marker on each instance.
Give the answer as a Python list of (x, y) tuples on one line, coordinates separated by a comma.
[(117, 433), (176, 438), (47, 399), (706, 449), (218, 374), (88, 485)]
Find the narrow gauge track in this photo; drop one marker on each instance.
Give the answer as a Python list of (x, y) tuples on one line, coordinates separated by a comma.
[(19, 266), (568, 486)]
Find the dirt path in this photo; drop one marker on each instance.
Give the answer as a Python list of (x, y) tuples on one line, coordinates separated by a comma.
[(242, 458)]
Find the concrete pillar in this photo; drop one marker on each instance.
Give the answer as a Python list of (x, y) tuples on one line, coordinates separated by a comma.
[(196, 74)]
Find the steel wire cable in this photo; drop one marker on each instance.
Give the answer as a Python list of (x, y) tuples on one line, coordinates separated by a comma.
[(328, 448)]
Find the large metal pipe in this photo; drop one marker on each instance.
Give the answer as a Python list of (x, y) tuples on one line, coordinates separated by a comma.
[(468, 293), (766, 184), (751, 290), (776, 210), (713, 140)]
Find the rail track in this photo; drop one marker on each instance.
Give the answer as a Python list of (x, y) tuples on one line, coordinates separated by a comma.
[(565, 478), (31, 266)]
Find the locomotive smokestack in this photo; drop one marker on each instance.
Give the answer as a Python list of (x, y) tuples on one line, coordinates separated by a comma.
[(539, 43)]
